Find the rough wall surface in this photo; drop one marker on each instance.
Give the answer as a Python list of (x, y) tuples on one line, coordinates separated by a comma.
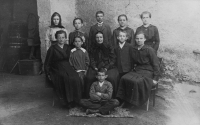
[(46, 8), (44, 12), (177, 21)]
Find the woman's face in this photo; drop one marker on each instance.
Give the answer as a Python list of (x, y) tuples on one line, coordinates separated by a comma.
[(61, 38), (56, 20), (99, 38), (140, 39), (78, 24), (122, 21), (145, 19)]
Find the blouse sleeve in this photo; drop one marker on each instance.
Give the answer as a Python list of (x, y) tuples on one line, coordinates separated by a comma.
[(157, 39), (155, 64), (112, 57), (87, 60), (47, 39), (48, 60), (114, 38), (67, 39), (93, 63), (132, 38), (109, 34)]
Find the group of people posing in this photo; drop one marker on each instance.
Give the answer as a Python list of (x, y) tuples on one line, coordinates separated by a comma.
[(103, 70)]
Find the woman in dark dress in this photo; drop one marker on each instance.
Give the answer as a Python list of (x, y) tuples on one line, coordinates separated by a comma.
[(102, 56), (65, 80), (135, 86), (150, 31)]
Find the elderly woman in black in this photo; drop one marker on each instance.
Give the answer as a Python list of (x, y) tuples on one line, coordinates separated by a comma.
[(102, 56), (65, 80), (135, 86)]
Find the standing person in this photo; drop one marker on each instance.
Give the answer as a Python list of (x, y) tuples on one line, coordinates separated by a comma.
[(150, 31), (135, 86), (66, 82), (79, 60), (78, 24), (56, 25), (102, 27), (33, 36), (102, 56), (123, 26), (100, 100), (123, 54)]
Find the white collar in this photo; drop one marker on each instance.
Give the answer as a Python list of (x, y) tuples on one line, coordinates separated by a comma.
[(99, 24), (101, 84), (75, 49), (121, 45)]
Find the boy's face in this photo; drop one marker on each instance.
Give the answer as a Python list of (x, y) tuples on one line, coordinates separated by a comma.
[(145, 19), (122, 21), (78, 43), (101, 76), (122, 37), (99, 38), (140, 39), (61, 38), (56, 20), (99, 17), (78, 24)]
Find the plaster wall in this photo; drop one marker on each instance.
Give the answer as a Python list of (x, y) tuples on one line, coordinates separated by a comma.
[(66, 8), (177, 21)]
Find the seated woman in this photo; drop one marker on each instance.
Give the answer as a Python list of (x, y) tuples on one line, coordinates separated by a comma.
[(65, 80), (102, 56), (135, 86)]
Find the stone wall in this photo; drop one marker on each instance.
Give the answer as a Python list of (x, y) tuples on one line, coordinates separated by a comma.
[(66, 8), (177, 22)]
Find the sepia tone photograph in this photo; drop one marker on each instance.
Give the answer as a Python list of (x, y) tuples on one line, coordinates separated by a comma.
[(99, 62)]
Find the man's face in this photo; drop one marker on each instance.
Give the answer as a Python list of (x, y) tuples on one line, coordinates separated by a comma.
[(99, 17)]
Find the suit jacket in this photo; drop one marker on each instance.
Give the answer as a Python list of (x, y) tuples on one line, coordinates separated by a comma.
[(124, 63), (106, 89), (106, 34)]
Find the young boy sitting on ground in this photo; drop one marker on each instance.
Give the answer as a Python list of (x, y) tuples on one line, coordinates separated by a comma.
[(100, 96)]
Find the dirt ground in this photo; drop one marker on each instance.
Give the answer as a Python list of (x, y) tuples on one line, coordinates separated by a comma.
[(24, 100)]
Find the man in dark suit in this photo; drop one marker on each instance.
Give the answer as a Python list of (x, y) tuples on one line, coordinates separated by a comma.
[(100, 26)]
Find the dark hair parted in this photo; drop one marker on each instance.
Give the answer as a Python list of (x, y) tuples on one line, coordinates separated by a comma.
[(101, 70), (78, 36), (140, 32), (99, 12), (53, 15), (145, 12), (123, 16), (60, 32), (77, 19)]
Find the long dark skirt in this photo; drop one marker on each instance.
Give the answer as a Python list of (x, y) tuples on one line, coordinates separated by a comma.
[(67, 83), (113, 78), (135, 87)]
